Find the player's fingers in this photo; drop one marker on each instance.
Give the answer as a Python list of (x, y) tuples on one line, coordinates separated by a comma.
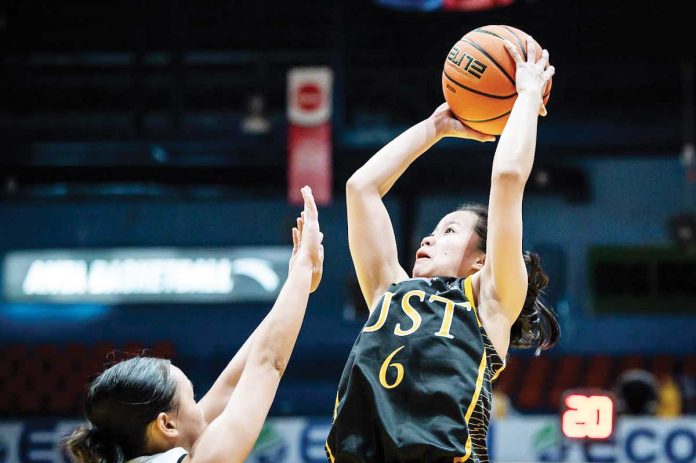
[(531, 50), (300, 225), (443, 107), (478, 136), (513, 51), (542, 111), (548, 73), (544, 61), (295, 238), (309, 204)]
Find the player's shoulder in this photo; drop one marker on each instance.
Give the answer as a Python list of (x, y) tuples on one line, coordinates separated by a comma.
[(175, 455)]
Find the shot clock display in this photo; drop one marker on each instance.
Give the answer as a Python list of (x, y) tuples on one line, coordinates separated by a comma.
[(587, 415)]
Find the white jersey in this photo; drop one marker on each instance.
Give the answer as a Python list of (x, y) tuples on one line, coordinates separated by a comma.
[(175, 455)]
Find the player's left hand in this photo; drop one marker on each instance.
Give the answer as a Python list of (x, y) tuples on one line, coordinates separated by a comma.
[(447, 125)]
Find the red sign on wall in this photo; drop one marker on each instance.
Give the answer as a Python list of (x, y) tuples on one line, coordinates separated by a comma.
[(309, 133), (473, 5)]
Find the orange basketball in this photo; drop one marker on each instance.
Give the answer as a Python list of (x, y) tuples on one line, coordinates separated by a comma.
[(478, 78)]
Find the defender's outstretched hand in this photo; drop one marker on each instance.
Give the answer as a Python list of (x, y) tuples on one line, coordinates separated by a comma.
[(307, 238)]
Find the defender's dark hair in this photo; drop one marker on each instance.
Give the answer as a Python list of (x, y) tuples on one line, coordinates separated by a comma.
[(120, 404), (537, 326)]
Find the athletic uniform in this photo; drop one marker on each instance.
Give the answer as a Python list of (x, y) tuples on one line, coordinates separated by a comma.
[(175, 455), (417, 384)]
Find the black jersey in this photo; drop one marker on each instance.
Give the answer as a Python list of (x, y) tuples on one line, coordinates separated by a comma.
[(417, 384)]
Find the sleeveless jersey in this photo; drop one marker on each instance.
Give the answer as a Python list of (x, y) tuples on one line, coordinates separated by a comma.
[(417, 384), (175, 455)]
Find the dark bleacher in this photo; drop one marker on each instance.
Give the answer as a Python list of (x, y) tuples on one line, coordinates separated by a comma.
[(47, 379), (536, 384)]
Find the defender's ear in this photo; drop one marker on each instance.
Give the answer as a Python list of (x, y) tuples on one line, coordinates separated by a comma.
[(166, 426)]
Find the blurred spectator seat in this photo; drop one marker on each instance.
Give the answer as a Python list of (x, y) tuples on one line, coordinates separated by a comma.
[(51, 380), (536, 384)]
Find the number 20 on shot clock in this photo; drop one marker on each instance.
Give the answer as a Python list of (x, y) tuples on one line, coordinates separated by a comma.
[(587, 415)]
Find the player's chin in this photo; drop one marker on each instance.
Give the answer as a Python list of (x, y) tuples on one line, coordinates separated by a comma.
[(421, 269)]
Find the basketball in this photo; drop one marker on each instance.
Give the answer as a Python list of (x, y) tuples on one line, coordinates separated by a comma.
[(478, 78)]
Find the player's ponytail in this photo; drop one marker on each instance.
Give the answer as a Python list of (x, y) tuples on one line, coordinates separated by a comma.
[(537, 326), (91, 444), (120, 404)]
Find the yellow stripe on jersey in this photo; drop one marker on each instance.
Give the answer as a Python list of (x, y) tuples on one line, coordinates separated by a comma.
[(472, 404), (495, 376), (328, 451), (469, 292), (326, 444), (336, 408)]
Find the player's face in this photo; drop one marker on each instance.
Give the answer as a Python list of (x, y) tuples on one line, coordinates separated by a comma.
[(452, 248), (189, 415)]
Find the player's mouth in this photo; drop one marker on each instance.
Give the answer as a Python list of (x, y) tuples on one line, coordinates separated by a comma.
[(421, 254)]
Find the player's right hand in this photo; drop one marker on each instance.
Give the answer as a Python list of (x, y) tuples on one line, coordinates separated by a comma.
[(531, 76), (307, 238), (447, 125)]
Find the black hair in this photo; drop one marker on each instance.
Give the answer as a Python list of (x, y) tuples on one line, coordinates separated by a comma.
[(120, 403), (537, 325)]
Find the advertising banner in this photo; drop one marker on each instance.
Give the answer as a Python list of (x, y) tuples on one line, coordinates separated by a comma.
[(145, 275), (515, 440)]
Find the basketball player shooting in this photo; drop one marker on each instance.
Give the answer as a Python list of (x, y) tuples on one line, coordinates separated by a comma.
[(417, 384)]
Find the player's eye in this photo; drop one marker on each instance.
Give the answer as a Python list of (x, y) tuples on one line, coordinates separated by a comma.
[(449, 230)]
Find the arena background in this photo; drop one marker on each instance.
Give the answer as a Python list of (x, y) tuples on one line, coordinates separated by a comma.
[(154, 135)]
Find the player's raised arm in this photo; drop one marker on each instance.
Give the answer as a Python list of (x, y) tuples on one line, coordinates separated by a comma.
[(504, 275), (370, 231)]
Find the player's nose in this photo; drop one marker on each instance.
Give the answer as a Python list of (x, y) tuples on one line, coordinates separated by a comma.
[(428, 241)]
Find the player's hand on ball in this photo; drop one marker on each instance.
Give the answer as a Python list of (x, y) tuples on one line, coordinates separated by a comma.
[(446, 125), (531, 76), (307, 238)]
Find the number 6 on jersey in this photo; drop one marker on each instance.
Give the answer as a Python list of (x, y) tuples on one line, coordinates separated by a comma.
[(383, 371)]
